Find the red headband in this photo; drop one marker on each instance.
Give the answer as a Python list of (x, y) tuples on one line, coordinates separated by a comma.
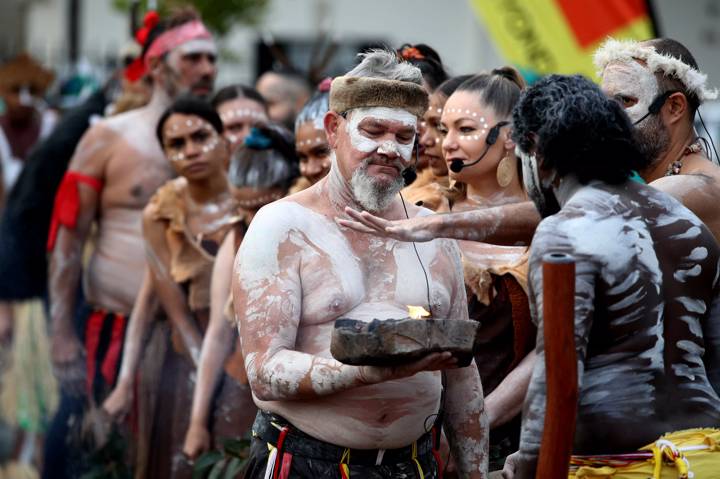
[(171, 39)]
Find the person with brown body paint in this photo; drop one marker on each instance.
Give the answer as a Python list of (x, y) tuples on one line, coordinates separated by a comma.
[(260, 172), (647, 293), (116, 168), (297, 271)]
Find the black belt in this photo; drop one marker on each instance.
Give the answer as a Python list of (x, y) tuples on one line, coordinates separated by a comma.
[(272, 428)]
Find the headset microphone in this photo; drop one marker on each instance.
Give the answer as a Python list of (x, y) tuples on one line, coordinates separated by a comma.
[(656, 105), (456, 165), (409, 174)]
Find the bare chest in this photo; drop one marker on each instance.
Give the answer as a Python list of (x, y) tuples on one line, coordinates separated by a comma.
[(134, 173), (367, 280)]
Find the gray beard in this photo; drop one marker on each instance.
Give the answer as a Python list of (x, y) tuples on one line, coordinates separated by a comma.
[(652, 139), (372, 195)]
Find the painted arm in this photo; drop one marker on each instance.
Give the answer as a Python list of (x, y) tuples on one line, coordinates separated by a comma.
[(216, 346), (506, 400), (267, 295), (119, 402), (548, 240), (697, 192), (172, 298), (508, 225), (466, 422), (66, 263), (711, 336)]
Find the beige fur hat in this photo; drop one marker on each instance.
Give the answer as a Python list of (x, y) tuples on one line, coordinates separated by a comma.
[(348, 92)]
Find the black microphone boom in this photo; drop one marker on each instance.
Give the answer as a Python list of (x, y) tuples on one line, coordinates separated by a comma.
[(457, 165)]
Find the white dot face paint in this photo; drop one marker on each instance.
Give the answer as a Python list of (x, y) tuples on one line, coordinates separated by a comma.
[(631, 80), (178, 131), (383, 114), (242, 114)]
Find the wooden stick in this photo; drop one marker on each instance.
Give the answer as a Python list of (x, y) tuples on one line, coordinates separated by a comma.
[(560, 365)]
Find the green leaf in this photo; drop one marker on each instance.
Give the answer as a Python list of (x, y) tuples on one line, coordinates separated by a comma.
[(205, 462), (219, 15), (237, 447), (217, 469), (234, 467)]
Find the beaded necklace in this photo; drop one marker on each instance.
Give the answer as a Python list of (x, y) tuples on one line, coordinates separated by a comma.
[(675, 167)]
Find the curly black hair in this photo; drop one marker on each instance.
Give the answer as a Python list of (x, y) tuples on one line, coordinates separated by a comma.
[(576, 129)]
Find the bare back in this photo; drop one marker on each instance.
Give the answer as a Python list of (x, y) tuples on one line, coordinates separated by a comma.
[(646, 318), (315, 272)]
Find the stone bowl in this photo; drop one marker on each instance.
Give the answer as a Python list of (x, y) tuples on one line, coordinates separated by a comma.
[(392, 342)]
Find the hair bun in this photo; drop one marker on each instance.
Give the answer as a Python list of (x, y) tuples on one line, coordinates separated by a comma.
[(512, 74)]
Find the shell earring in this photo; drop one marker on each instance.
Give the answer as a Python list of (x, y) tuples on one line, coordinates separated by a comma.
[(505, 171)]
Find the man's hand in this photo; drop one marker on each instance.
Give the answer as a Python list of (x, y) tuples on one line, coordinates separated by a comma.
[(431, 362), (418, 229), (68, 359), (119, 402), (197, 441)]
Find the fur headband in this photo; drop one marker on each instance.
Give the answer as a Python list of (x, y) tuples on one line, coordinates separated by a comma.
[(348, 92), (628, 50)]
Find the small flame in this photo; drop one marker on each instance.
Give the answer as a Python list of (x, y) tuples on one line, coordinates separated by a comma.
[(417, 312)]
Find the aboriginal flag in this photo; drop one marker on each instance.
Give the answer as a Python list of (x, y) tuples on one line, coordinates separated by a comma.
[(559, 36)]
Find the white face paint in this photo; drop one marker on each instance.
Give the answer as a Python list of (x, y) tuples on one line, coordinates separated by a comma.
[(367, 145), (540, 192), (199, 45), (631, 80)]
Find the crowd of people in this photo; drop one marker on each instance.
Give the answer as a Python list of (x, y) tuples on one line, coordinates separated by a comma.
[(188, 252)]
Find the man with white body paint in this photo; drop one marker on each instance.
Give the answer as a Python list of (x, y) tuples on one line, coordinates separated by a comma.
[(297, 271), (647, 306), (116, 168)]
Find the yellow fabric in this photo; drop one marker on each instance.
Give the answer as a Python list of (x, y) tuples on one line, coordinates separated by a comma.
[(676, 463), (421, 474), (537, 36), (15, 470)]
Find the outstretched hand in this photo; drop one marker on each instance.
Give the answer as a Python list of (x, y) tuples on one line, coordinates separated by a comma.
[(414, 229)]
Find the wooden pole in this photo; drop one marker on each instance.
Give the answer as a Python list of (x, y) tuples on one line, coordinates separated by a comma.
[(560, 365)]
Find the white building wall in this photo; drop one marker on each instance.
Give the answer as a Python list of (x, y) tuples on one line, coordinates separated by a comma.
[(449, 26)]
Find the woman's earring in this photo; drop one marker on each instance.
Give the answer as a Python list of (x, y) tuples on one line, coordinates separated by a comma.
[(505, 171)]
